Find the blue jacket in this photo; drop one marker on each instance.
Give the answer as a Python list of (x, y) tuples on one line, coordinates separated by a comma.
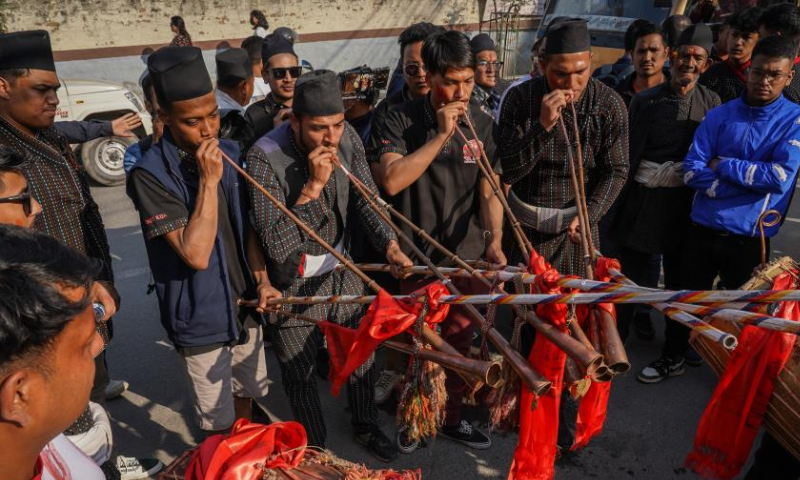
[(197, 306), (759, 151)]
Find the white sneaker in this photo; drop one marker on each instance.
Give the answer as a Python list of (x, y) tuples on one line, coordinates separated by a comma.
[(385, 385), (115, 388), (135, 468)]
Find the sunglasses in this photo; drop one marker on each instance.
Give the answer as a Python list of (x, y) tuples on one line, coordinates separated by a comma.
[(413, 69), (22, 198), (280, 72)]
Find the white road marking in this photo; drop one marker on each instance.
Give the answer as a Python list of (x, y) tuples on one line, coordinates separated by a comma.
[(793, 220), (135, 272)]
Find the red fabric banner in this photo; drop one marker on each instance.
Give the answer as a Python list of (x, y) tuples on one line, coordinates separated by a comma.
[(732, 418), (248, 449), (534, 458), (386, 317), (593, 406)]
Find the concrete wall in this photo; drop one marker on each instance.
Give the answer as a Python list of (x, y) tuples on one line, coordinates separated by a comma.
[(92, 24)]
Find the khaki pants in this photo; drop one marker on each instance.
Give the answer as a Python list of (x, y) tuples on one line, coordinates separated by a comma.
[(219, 375)]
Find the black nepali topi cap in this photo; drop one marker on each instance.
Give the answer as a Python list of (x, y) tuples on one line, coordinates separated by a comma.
[(699, 35), (318, 94), (233, 66), (569, 36), (179, 73), (26, 50), (480, 43), (274, 45)]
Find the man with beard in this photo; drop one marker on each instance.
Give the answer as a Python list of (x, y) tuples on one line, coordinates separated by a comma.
[(784, 19), (203, 254), (534, 159), (17, 205), (433, 179), (653, 211), (649, 54), (485, 94), (533, 152), (296, 163), (729, 78), (281, 71)]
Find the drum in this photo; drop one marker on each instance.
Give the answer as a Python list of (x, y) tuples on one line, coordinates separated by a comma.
[(783, 412)]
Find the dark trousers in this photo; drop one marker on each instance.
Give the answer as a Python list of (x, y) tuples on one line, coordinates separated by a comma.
[(645, 269), (101, 379), (296, 349), (706, 254), (457, 330), (773, 462)]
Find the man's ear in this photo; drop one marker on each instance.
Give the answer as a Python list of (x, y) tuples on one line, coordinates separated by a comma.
[(163, 115), (15, 398), (295, 122), (5, 88), (790, 77)]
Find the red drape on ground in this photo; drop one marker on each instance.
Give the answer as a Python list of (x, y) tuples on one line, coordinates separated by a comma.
[(386, 317), (593, 406), (248, 449), (733, 416), (534, 458)]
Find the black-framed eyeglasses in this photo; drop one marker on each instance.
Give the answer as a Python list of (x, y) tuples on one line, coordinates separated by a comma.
[(413, 69), (485, 64), (280, 72), (771, 77), (22, 198)]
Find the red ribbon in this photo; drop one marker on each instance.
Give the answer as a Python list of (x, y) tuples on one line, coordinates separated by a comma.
[(732, 418), (594, 404), (386, 317), (247, 451), (740, 71), (534, 458)]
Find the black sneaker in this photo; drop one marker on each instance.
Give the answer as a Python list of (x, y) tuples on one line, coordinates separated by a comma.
[(660, 369), (407, 446), (643, 326), (467, 434), (378, 444)]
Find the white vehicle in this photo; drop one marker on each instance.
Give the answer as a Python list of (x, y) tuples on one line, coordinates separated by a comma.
[(97, 100)]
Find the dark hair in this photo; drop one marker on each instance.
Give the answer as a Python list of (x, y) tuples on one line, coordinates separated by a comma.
[(147, 88), (644, 30), (286, 33), (253, 46), (32, 310), (775, 46), (783, 18), (261, 19), (417, 32), (12, 75), (747, 20), (446, 50), (177, 21), (672, 28), (632, 31), (10, 161)]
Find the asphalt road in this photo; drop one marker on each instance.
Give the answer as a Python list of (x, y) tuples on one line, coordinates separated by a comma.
[(648, 432)]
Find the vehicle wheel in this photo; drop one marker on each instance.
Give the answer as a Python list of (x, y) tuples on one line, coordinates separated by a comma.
[(102, 159)]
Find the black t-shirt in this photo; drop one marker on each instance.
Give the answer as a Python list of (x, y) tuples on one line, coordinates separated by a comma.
[(161, 213), (259, 120), (445, 200)]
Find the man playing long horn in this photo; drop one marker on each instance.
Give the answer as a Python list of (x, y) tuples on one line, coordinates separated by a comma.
[(534, 157), (296, 162), (434, 180)]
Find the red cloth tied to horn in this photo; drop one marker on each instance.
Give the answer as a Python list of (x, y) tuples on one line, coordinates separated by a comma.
[(594, 404), (386, 317), (248, 449), (732, 418), (534, 458)]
